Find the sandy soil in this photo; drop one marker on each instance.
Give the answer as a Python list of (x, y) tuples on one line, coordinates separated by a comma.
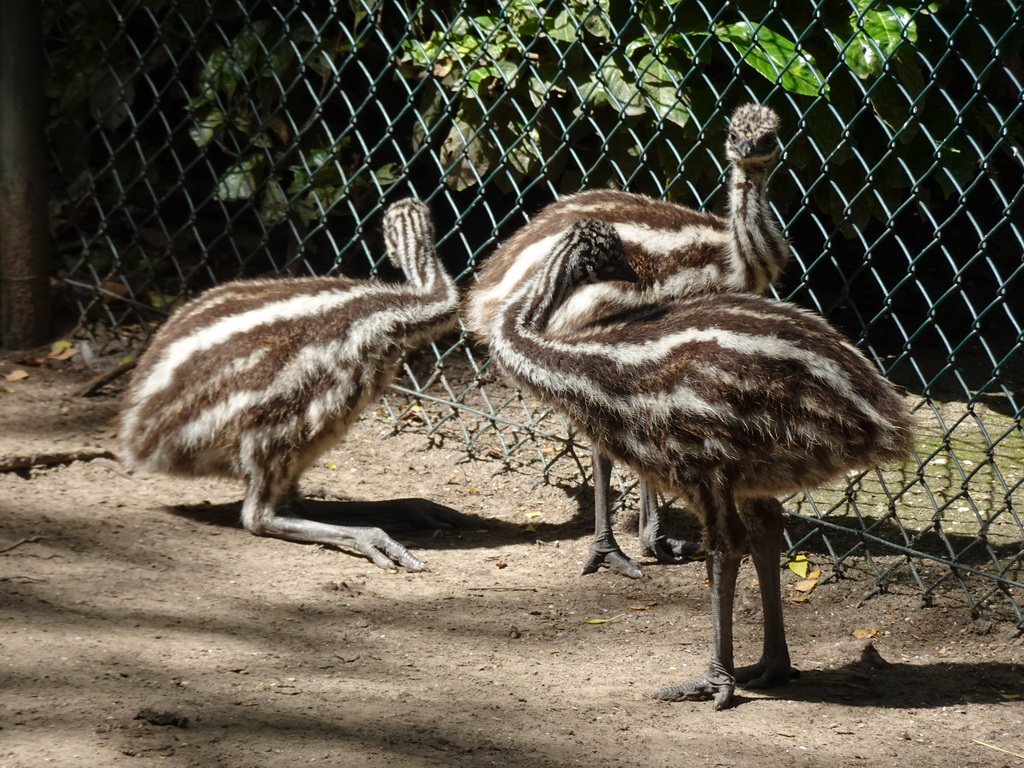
[(141, 625)]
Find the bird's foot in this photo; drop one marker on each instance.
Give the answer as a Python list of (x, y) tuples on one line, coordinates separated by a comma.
[(612, 558), (667, 550), (765, 674), (384, 551), (719, 690)]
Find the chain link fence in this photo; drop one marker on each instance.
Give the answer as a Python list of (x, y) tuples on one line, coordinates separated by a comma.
[(198, 141)]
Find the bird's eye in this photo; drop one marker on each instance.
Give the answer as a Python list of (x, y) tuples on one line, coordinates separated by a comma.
[(733, 136)]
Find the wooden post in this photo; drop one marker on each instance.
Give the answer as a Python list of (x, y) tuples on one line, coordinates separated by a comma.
[(24, 237)]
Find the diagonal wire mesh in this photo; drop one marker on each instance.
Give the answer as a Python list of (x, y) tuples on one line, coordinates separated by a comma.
[(197, 141)]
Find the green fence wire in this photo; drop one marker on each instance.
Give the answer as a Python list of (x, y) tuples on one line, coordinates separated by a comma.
[(197, 141)]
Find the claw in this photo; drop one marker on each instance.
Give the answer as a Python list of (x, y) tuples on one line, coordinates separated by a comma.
[(384, 551), (612, 559), (668, 550), (763, 675), (702, 690)]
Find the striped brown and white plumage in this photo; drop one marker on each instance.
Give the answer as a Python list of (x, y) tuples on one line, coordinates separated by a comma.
[(674, 251), (728, 400), (255, 379)]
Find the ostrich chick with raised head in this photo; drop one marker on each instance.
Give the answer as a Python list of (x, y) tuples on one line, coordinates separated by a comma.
[(674, 251)]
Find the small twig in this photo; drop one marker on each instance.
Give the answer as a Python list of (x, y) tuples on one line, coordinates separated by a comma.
[(93, 386), (998, 749), (29, 540), (502, 589), (17, 463), (602, 621)]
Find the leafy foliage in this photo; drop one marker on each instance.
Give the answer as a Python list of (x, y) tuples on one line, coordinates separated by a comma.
[(555, 96), (592, 94)]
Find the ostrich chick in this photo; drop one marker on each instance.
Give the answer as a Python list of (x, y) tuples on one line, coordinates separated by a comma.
[(729, 400), (255, 379), (674, 251)]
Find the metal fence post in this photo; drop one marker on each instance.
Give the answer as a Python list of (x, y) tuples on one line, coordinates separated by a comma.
[(24, 282)]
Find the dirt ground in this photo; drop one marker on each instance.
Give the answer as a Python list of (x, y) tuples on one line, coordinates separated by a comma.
[(142, 626)]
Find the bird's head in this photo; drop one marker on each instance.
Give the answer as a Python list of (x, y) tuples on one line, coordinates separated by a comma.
[(753, 136), (598, 253), (408, 232)]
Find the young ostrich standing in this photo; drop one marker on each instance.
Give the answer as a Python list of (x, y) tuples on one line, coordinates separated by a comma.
[(728, 400), (255, 379), (674, 251)]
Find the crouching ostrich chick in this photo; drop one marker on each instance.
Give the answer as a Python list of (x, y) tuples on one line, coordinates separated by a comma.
[(674, 251), (728, 400), (255, 379)]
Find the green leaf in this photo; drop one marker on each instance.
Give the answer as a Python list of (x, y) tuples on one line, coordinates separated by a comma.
[(430, 113), (561, 28), (204, 128), (503, 71), (775, 57), (273, 206), (221, 73), (890, 103), (239, 182), (249, 46), (467, 154), (388, 174), (164, 301), (613, 87), (593, 15), (878, 35), (663, 86), (524, 156)]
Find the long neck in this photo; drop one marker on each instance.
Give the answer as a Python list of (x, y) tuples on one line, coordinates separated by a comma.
[(522, 342), (423, 308), (434, 298), (424, 270), (759, 250), (546, 292)]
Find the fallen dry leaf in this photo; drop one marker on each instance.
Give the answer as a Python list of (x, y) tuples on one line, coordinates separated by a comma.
[(799, 565), (864, 634), (113, 291), (65, 354), (807, 585), (17, 375)]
